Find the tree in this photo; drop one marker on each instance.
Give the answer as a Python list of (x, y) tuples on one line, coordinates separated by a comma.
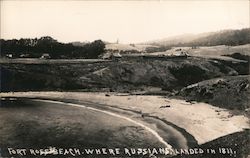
[(96, 48), (36, 47)]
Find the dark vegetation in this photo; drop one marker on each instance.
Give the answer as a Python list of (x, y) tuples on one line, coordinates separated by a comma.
[(188, 74), (35, 48), (242, 68), (239, 56)]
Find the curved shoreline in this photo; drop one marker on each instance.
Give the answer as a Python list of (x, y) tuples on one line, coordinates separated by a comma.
[(191, 141), (160, 139), (115, 111)]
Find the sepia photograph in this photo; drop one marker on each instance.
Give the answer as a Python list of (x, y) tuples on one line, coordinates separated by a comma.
[(124, 79)]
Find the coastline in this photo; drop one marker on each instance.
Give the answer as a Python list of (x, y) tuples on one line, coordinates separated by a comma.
[(180, 113)]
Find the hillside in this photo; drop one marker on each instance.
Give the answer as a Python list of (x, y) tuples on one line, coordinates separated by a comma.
[(175, 40), (231, 92), (226, 37), (122, 75)]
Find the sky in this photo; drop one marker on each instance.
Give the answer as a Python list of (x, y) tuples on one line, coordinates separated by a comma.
[(128, 21)]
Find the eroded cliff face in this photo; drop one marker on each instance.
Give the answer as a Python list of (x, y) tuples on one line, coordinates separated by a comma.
[(117, 75), (165, 74)]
